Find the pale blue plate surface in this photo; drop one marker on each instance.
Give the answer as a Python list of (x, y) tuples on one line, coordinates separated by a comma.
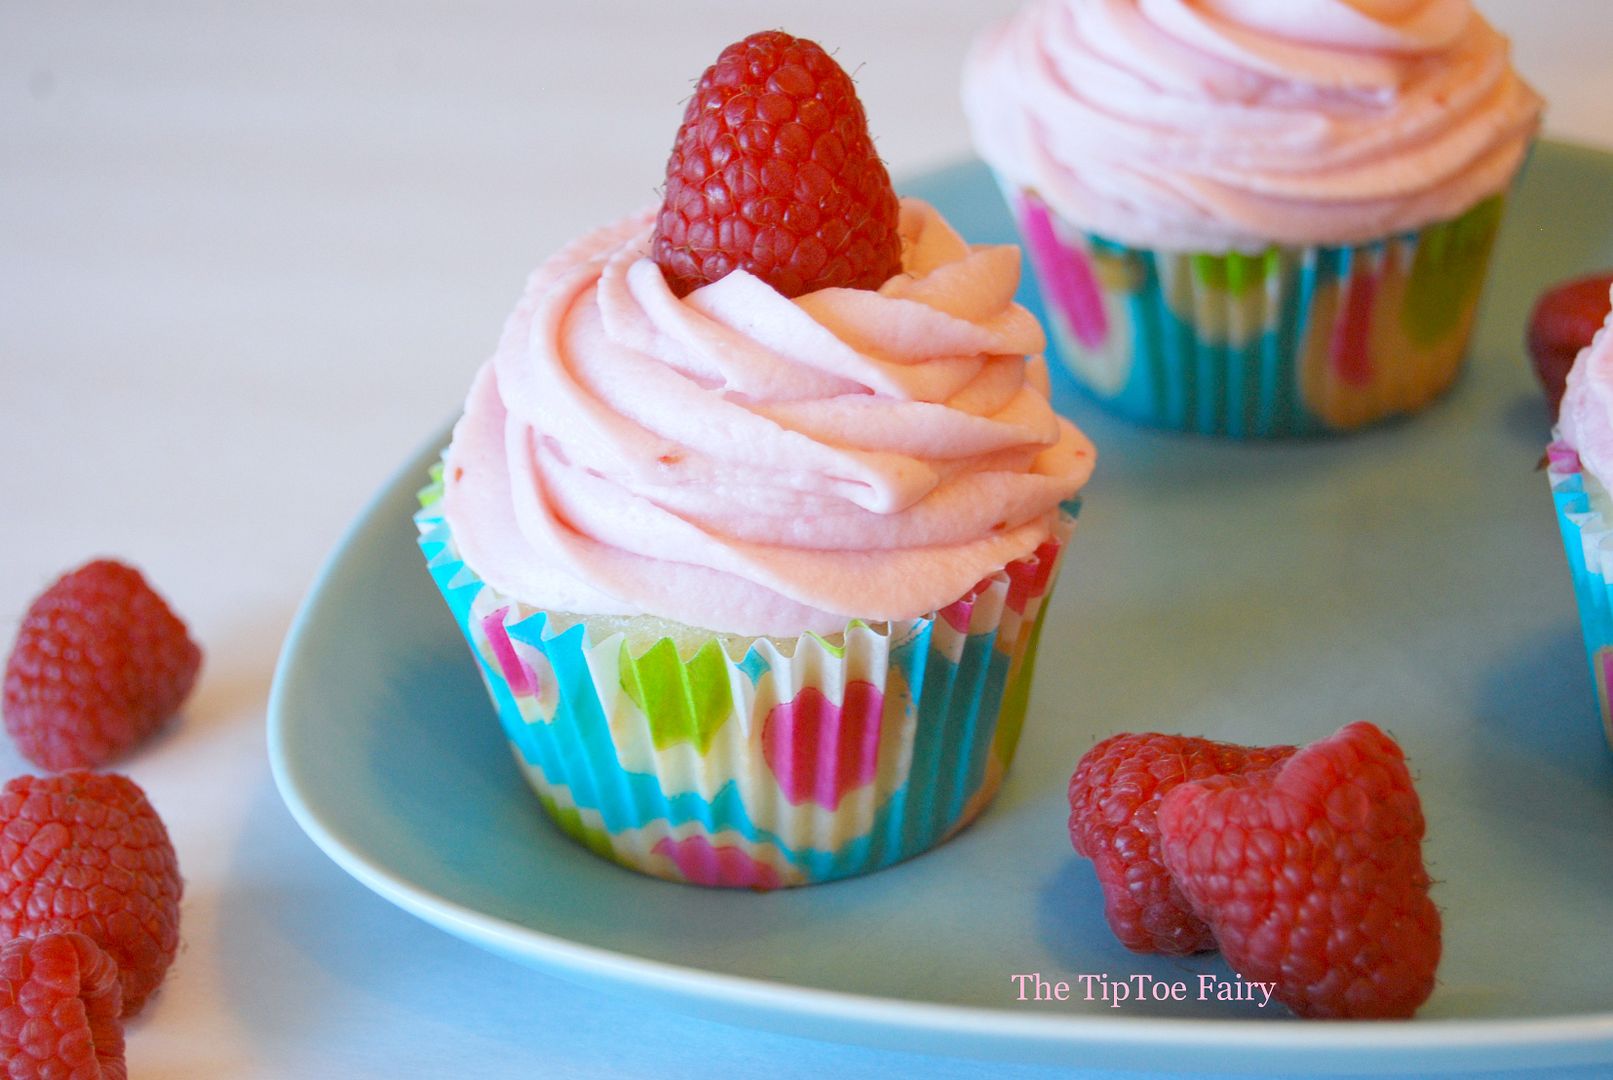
[(1255, 592)]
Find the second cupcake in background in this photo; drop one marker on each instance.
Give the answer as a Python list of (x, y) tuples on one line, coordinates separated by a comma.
[(1254, 219)]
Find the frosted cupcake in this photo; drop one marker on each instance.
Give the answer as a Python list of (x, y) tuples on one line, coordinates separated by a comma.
[(1250, 218), (1580, 465), (753, 563)]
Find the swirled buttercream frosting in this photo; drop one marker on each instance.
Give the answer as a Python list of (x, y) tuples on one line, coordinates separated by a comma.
[(751, 464), (1214, 125)]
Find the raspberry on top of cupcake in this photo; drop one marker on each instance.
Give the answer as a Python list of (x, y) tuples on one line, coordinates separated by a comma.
[(1234, 124), (780, 402)]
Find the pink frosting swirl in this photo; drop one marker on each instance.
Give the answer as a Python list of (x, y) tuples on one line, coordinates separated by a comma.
[(1213, 125), (1585, 418), (751, 464)]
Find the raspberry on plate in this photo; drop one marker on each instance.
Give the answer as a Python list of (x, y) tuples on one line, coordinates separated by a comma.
[(100, 662), (1114, 797), (1311, 875), (60, 1008), (1563, 321), (86, 852), (773, 171)]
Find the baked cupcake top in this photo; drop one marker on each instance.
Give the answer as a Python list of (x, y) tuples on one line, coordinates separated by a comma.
[(751, 463), (1214, 125), (1585, 420)]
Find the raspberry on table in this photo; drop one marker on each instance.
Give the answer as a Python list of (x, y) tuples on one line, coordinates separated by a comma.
[(1311, 875), (1114, 798), (773, 171), (86, 852), (100, 662), (60, 1007)]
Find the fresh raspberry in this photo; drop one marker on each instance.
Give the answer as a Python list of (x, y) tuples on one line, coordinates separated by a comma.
[(86, 852), (59, 1010), (99, 663), (1311, 875), (1563, 322), (774, 172), (1114, 796)]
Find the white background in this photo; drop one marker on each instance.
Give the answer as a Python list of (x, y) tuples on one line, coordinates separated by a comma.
[(250, 254)]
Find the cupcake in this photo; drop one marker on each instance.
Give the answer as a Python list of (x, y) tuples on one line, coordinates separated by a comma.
[(1250, 218), (752, 517), (1580, 466)]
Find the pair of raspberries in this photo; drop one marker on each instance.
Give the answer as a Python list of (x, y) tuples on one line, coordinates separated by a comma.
[(1304, 866), (89, 882)]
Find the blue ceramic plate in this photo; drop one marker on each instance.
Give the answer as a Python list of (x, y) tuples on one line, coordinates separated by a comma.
[(1255, 592)]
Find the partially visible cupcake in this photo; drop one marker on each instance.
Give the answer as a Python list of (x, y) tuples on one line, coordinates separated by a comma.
[(1580, 465), (1251, 218), (751, 518)]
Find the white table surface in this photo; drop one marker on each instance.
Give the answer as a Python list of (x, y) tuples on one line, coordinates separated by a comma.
[(250, 254)]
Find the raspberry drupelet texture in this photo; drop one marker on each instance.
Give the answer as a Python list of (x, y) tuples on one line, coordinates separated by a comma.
[(1114, 797), (773, 171), (1311, 875), (60, 1007), (86, 852), (100, 662)]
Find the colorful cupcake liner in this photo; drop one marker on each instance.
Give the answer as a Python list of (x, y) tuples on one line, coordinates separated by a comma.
[(800, 762), (1293, 341), (1588, 543)]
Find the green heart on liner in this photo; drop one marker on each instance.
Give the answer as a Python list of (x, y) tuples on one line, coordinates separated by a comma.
[(432, 492), (571, 823), (1448, 271), (829, 646), (1016, 698), (683, 701), (1236, 272)]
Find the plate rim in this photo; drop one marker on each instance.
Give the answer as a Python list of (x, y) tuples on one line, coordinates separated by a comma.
[(965, 1030)]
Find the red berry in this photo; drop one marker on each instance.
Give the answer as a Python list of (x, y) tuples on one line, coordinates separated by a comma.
[(774, 172), (1311, 875), (100, 663), (59, 1010), (1114, 796), (1563, 322), (86, 852)]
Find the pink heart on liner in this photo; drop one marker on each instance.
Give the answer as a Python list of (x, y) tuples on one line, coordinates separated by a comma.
[(517, 672), (820, 751), (726, 866), (1352, 333), (1067, 277), (957, 613), (1028, 577)]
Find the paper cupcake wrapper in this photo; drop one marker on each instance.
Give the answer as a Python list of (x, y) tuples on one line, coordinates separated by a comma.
[(787, 766), (1294, 341), (1588, 543)]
